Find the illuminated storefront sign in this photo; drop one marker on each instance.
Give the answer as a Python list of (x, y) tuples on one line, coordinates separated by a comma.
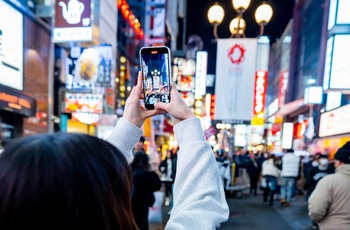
[(337, 66), (17, 102), (72, 21), (282, 88), (287, 135), (338, 13), (335, 122), (259, 97), (80, 102), (11, 47), (333, 100)]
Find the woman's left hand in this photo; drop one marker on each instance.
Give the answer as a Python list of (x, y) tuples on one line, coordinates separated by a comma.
[(134, 112)]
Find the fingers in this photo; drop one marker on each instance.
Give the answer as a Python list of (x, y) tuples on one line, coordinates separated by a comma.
[(139, 84)]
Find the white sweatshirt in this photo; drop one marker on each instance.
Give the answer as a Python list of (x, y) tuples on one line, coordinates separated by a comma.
[(199, 198)]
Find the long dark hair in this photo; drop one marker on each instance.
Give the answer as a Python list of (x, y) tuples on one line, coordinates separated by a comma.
[(60, 181)]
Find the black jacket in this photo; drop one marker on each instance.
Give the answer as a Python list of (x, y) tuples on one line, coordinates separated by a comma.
[(142, 197)]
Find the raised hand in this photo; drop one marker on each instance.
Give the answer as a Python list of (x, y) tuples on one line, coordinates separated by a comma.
[(135, 112), (177, 106)]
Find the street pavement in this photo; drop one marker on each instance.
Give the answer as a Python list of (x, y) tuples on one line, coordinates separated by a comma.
[(250, 213)]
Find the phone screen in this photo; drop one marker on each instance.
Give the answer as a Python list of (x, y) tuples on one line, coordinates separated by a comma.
[(155, 67)]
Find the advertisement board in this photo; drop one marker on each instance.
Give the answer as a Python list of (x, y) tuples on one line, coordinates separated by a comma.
[(337, 66), (72, 21), (11, 47), (90, 66), (335, 122), (83, 102)]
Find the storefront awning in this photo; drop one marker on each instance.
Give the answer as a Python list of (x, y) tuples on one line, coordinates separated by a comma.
[(291, 108)]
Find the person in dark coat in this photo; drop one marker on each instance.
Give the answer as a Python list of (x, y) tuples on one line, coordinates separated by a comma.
[(253, 169), (145, 182)]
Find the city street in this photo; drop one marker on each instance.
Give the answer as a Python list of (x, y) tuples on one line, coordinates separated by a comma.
[(250, 213)]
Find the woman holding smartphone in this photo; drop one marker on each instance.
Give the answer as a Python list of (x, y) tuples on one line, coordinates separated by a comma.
[(60, 181)]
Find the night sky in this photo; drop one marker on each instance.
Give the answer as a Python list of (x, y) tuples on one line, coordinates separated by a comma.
[(197, 22)]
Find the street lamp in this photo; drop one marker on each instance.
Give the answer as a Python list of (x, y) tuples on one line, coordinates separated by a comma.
[(237, 26)]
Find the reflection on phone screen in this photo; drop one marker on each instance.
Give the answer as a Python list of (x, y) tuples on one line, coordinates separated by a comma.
[(155, 70)]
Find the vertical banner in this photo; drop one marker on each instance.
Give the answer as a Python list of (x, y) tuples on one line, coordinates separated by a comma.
[(260, 88), (235, 71)]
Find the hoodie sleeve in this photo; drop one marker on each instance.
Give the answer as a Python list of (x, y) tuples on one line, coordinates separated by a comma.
[(319, 200), (124, 136), (199, 198)]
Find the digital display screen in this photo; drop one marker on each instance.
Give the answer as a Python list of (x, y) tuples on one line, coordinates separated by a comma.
[(155, 65)]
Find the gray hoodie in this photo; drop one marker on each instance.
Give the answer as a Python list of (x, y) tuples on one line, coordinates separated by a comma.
[(329, 203)]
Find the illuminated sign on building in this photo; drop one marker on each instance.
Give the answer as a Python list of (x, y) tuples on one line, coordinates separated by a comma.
[(337, 66), (287, 135), (83, 102), (283, 84), (201, 73), (72, 21), (260, 85), (11, 47), (335, 122), (17, 102)]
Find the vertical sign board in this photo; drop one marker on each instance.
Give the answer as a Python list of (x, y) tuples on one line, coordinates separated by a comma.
[(337, 66), (260, 86), (72, 21), (234, 87), (287, 135), (11, 47), (282, 88), (201, 73)]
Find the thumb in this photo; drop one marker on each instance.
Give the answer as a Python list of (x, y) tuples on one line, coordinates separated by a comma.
[(161, 106)]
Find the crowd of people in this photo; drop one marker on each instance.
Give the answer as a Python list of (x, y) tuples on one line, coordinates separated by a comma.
[(324, 181)]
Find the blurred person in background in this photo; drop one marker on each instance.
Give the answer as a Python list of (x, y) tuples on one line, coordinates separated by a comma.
[(140, 145), (166, 169), (315, 175), (329, 203), (289, 174), (145, 182), (224, 165), (253, 168), (64, 180), (271, 169)]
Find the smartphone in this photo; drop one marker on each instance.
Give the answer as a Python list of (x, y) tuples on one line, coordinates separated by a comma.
[(155, 66)]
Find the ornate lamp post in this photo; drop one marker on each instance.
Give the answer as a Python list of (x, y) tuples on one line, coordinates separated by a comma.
[(237, 26)]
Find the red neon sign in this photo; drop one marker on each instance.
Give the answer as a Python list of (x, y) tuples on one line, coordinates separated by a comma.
[(260, 85)]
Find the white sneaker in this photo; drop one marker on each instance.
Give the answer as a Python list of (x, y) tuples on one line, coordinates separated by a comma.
[(167, 201)]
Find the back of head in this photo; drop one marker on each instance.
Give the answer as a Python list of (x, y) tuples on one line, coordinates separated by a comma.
[(60, 181), (140, 161), (343, 153)]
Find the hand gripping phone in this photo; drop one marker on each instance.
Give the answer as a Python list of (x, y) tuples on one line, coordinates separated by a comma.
[(155, 66)]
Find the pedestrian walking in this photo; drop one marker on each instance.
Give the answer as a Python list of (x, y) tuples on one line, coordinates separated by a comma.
[(329, 203), (166, 169), (270, 172), (289, 174)]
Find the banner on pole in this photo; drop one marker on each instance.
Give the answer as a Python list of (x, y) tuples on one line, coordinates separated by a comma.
[(235, 73)]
